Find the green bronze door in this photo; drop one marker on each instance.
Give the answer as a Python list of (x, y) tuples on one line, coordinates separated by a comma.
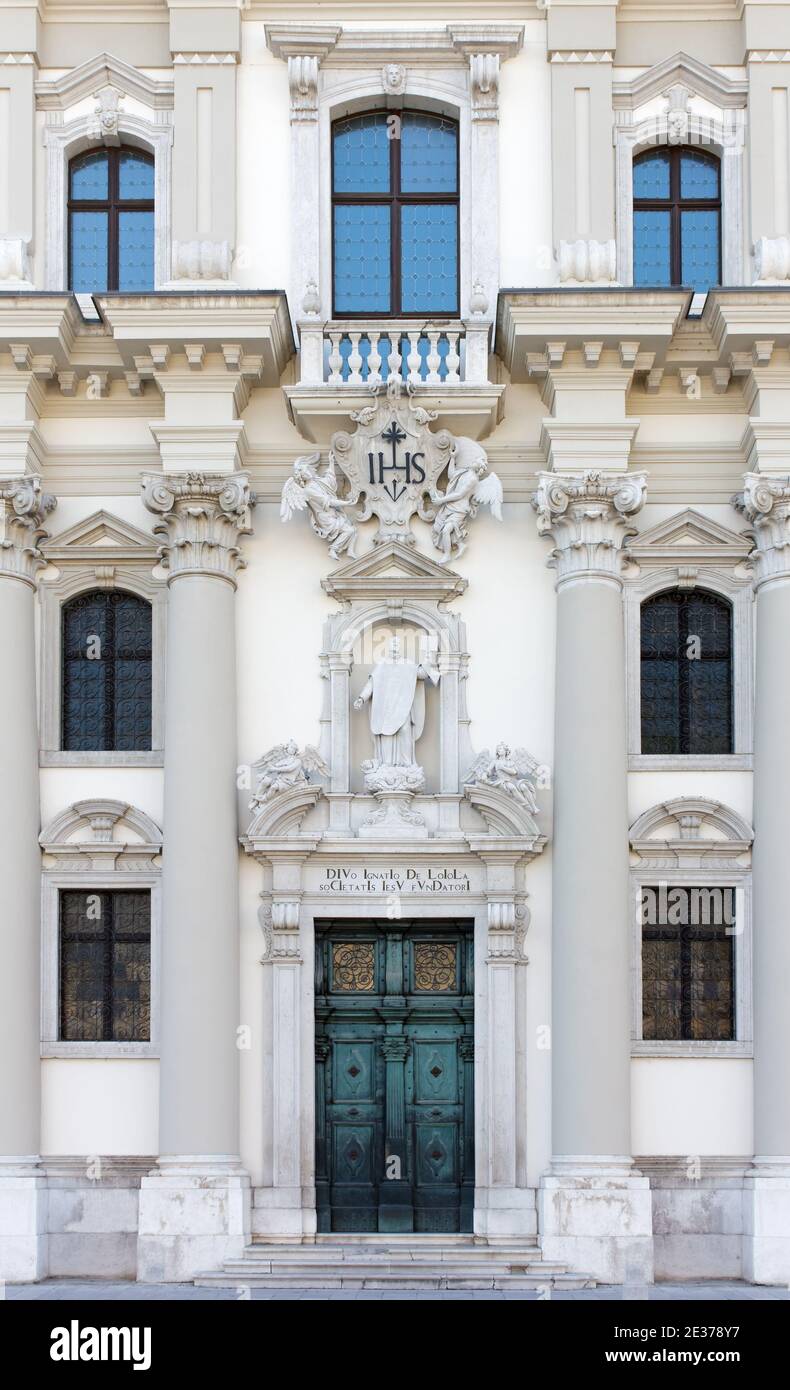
[(394, 1076)]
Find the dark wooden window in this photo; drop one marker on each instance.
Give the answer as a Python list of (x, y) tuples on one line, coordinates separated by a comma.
[(395, 215), (105, 966), (111, 221), (688, 963), (677, 218), (106, 672), (686, 673)]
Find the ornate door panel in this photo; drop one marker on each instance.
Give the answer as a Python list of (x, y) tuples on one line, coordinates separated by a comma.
[(394, 1076)]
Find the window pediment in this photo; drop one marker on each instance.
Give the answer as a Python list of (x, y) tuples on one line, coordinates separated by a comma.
[(689, 538), (104, 70), (101, 536)]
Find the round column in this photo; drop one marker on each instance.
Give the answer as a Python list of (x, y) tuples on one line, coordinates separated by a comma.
[(22, 1238), (766, 504), (588, 516), (202, 518)]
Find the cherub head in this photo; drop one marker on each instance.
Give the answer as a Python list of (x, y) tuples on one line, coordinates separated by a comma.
[(502, 750)]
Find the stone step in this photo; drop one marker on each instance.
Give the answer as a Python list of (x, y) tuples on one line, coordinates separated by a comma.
[(378, 1279), (358, 1269), (324, 1255)]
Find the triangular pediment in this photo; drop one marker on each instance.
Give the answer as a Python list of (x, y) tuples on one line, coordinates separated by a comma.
[(680, 70), (101, 534), (103, 70), (394, 570), (690, 536)]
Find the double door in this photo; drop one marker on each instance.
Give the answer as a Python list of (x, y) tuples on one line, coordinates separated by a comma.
[(394, 1076)]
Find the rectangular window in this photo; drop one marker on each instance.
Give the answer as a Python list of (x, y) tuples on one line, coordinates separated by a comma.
[(688, 963), (105, 966)]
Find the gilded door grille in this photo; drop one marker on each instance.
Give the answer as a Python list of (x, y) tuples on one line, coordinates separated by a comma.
[(353, 966), (435, 966)]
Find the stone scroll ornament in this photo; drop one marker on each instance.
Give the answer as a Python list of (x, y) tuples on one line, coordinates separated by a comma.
[(393, 463)]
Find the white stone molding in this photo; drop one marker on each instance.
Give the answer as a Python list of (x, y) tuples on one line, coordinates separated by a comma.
[(589, 516), (484, 86), (693, 842), (303, 85), (588, 262), (23, 509), (103, 70), (99, 552), (202, 263), (96, 845), (687, 551), (15, 272), (671, 104), (765, 502), (65, 139), (203, 517), (772, 260)]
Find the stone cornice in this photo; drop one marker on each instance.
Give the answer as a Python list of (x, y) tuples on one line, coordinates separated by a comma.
[(765, 502), (23, 508), (104, 70), (588, 516), (203, 516)]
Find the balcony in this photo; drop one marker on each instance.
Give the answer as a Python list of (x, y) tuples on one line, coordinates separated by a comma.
[(445, 362)]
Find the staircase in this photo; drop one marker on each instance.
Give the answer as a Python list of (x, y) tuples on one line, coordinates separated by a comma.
[(393, 1262)]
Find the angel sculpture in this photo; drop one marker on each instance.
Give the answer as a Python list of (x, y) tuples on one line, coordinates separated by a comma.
[(284, 767), (459, 504), (513, 771), (318, 492)]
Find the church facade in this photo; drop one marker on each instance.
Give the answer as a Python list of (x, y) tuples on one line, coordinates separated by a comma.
[(394, 741)]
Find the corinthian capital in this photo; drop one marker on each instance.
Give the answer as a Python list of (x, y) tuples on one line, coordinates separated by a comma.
[(765, 502), (203, 515), (588, 517), (23, 507)]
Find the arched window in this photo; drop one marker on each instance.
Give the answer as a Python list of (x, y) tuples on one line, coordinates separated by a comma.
[(111, 221), (686, 673), (395, 215), (106, 672), (677, 218)]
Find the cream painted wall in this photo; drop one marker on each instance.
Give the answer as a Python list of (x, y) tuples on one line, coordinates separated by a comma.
[(101, 1107), (685, 1105)]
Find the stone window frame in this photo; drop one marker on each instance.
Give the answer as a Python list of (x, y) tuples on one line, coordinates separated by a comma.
[(666, 571), (84, 568), (690, 870), (687, 84), (97, 863), (144, 122)]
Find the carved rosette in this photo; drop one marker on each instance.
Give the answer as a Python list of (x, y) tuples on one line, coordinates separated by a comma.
[(588, 516), (23, 507), (203, 515), (765, 502)]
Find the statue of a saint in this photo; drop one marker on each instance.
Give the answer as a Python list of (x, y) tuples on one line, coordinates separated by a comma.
[(396, 691)]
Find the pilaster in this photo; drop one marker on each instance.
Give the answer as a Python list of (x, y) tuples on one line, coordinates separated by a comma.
[(766, 37), (19, 44)]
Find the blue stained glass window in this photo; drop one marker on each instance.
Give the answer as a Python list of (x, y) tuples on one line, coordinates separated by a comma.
[(652, 248), (429, 257), (362, 258), (677, 218), (429, 154), (111, 221), (699, 248), (651, 176), (90, 178), (88, 251), (135, 251), (362, 155), (389, 193), (699, 176), (135, 176)]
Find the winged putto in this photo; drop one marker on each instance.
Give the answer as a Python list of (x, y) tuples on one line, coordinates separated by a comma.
[(470, 484), (512, 770), (283, 767), (310, 488)]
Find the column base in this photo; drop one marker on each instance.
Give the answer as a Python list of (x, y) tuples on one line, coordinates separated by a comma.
[(194, 1215), (595, 1216), (503, 1213), (766, 1221), (23, 1220)]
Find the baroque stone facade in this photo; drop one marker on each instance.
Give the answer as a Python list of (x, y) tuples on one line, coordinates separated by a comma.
[(396, 748)]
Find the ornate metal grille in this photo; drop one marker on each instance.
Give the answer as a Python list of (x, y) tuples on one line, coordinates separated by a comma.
[(688, 966), (106, 672), (435, 966), (105, 966), (353, 966), (686, 674)]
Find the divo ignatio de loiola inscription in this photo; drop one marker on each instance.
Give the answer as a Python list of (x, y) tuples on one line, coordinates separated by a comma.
[(443, 882)]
